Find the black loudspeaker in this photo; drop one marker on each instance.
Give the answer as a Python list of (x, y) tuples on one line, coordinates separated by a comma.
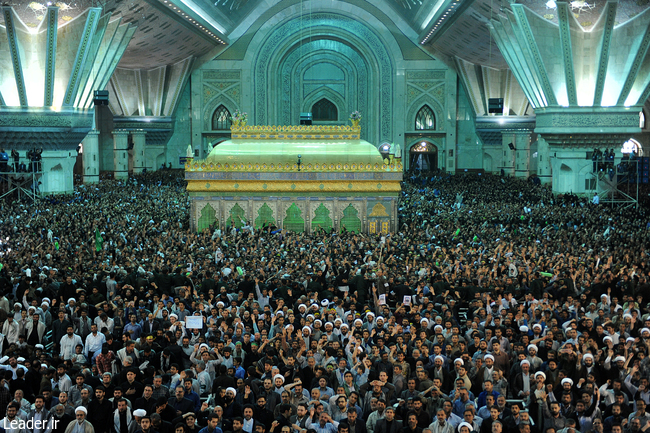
[(511, 146), (100, 97), (495, 105), (305, 118)]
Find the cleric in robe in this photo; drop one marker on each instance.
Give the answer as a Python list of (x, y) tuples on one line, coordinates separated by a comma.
[(80, 425)]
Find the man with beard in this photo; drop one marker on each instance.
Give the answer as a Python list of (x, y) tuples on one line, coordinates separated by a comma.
[(65, 402), (99, 411), (213, 421), (179, 403), (61, 419), (123, 420), (146, 402), (68, 344), (145, 425), (39, 416), (231, 408), (80, 425), (262, 414)]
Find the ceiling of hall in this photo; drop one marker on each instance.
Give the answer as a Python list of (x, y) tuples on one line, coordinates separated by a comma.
[(161, 38), (165, 37)]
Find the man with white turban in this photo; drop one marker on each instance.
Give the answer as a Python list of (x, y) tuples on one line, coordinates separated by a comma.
[(80, 425)]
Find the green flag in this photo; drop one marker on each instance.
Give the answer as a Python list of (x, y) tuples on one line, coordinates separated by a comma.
[(99, 242)]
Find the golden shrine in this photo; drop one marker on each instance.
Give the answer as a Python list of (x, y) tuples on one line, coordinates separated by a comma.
[(299, 178)]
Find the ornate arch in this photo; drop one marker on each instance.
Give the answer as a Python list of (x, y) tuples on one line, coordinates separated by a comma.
[(434, 104), (330, 26), (355, 70), (212, 104)]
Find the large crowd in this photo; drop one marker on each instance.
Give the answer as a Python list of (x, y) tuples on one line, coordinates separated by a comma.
[(496, 307)]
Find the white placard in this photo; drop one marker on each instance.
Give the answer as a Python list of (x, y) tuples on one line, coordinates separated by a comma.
[(194, 322), (344, 288), (386, 284), (382, 299), (407, 300)]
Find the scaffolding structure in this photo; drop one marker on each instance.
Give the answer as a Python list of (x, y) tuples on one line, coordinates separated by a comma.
[(21, 181), (619, 184)]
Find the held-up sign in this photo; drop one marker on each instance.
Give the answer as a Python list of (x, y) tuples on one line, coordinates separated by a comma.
[(194, 322)]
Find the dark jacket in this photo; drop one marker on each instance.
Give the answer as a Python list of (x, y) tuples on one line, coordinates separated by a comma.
[(382, 426)]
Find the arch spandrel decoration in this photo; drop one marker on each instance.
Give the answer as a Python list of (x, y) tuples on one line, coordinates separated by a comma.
[(360, 37)]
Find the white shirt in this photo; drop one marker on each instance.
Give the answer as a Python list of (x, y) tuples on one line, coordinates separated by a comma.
[(65, 383), (68, 345), (94, 343), (248, 425)]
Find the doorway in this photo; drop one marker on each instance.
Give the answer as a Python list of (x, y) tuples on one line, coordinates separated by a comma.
[(423, 156)]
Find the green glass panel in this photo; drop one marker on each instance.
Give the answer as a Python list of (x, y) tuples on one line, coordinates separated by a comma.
[(236, 215), (264, 214), (294, 220), (351, 220), (321, 219), (208, 217)]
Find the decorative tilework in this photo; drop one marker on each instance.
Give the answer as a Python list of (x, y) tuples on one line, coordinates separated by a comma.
[(82, 52), (7, 12), (531, 45), (605, 43), (567, 52), (636, 65), (50, 54)]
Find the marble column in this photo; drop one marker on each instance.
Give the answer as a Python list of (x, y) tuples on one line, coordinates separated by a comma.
[(508, 161), (543, 161), (91, 157), (139, 162), (121, 154), (522, 155)]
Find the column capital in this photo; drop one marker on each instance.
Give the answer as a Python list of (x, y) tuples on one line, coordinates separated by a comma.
[(138, 132), (120, 132)]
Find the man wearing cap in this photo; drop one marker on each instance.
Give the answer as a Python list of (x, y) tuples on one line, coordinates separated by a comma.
[(80, 425)]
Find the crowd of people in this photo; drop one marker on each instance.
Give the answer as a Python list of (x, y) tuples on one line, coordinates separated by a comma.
[(497, 307)]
